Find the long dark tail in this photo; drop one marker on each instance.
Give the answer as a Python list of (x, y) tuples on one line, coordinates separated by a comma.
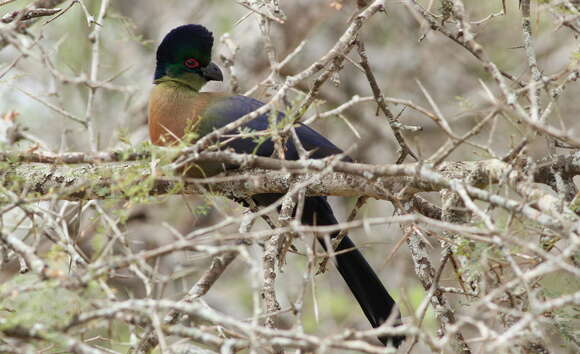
[(363, 282)]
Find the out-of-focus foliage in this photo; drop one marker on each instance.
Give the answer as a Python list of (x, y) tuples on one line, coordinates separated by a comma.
[(43, 91)]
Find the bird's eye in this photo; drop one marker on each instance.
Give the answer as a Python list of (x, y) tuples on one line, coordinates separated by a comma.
[(191, 63)]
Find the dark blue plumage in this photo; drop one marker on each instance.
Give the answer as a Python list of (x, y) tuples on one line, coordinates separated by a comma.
[(367, 288), (227, 110)]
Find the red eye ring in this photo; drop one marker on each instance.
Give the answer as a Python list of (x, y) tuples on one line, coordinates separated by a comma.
[(191, 63)]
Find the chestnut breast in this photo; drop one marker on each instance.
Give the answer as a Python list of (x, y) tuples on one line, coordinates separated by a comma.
[(173, 110)]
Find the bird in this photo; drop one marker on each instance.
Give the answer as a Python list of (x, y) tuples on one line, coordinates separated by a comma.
[(177, 107)]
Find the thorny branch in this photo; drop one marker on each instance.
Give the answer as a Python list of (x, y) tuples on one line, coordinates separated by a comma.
[(84, 227)]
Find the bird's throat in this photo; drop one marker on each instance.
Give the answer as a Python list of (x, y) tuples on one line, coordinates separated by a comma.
[(186, 81)]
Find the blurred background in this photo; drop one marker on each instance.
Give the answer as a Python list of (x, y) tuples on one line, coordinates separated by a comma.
[(403, 55)]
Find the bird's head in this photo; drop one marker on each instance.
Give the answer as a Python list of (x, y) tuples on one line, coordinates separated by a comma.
[(184, 56)]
